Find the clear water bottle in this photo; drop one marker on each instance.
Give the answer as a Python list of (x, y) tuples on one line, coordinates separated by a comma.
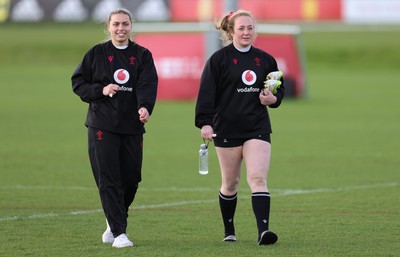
[(203, 160)]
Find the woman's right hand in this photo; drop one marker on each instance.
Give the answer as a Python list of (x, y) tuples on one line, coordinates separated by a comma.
[(110, 90), (207, 132)]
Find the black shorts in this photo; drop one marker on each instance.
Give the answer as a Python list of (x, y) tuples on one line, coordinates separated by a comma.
[(233, 142)]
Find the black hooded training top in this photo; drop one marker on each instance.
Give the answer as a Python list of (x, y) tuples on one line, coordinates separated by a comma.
[(133, 70), (228, 98)]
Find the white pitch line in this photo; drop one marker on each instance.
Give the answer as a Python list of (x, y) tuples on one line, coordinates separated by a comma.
[(167, 189), (25, 187), (276, 192), (34, 216), (150, 206), (285, 192)]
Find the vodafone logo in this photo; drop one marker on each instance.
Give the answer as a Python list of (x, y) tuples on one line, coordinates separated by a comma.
[(249, 77), (121, 76)]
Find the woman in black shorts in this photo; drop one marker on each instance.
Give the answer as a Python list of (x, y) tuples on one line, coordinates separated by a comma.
[(232, 106)]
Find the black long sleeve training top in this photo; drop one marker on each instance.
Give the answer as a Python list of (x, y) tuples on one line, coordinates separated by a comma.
[(228, 98), (133, 70)]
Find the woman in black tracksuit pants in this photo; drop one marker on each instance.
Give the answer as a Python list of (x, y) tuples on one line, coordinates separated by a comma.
[(118, 79)]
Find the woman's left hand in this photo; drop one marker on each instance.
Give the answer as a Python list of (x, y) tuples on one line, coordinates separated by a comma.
[(143, 115), (266, 97)]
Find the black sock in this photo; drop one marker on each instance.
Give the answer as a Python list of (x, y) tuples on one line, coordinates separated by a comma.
[(227, 205), (261, 205)]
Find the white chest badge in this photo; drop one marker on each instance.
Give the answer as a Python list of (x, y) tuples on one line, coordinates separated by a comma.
[(249, 77), (121, 76)]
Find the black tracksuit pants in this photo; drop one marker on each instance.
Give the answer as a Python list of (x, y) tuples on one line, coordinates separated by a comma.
[(116, 161)]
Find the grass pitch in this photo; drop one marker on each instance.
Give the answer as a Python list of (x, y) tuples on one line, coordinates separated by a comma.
[(334, 176)]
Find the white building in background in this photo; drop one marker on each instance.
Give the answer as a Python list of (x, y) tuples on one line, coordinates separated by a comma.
[(371, 11), (70, 10), (27, 10), (103, 9), (152, 10)]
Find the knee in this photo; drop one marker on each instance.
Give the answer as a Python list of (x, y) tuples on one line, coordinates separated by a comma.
[(230, 187), (257, 183)]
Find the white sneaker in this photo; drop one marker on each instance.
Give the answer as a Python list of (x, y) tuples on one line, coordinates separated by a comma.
[(122, 241), (108, 237)]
